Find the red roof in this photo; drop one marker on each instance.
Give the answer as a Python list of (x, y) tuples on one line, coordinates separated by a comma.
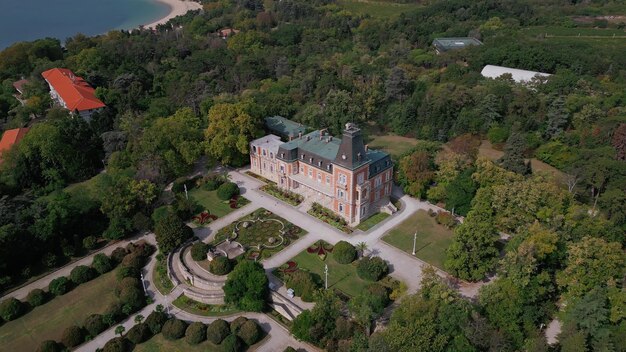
[(10, 138), (75, 92), (19, 85)]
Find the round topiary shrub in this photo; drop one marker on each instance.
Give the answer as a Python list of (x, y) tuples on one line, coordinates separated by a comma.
[(232, 343), (217, 331), (227, 191), (134, 259), (37, 297), (139, 333), (126, 271), (49, 346), (213, 183), (289, 349), (126, 283), (90, 242), (94, 324), (303, 283), (155, 321), (236, 324), (59, 286), (11, 308), (132, 297), (117, 344), (344, 252), (102, 264), (174, 329), (118, 254), (199, 251), (372, 268), (113, 314), (73, 336), (82, 274), (196, 333), (220, 265), (249, 332)]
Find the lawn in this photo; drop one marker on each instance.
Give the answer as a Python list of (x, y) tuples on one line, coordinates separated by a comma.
[(159, 343), (372, 221), (48, 321), (340, 276), (381, 9), (487, 150), (393, 144), (159, 273), (208, 310), (264, 228), (208, 200), (432, 239)]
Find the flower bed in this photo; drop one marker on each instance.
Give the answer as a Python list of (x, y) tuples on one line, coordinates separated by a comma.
[(329, 217), (284, 195)]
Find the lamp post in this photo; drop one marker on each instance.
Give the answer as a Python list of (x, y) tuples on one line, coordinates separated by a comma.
[(414, 240), (186, 195), (326, 275), (143, 285)]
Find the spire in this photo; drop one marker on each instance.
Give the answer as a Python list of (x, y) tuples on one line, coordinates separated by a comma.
[(351, 152)]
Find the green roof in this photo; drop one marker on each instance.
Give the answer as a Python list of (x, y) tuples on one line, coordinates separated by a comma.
[(284, 127), (311, 143), (445, 44)]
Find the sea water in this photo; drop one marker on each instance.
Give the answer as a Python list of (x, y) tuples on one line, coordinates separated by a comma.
[(25, 20)]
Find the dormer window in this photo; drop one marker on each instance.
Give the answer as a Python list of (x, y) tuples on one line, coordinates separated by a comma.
[(302, 156), (311, 160), (282, 155), (319, 163)]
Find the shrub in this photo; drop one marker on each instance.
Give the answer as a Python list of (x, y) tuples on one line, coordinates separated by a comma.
[(49, 346), (179, 184), (126, 271), (139, 333), (199, 251), (344, 252), (113, 313), (90, 242), (247, 286), (380, 295), (232, 343), (236, 324), (117, 344), (37, 297), (126, 283), (59, 286), (118, 254), (174, 329), (212, 183), (11, 308), (303, 283), (196, 333), (227, 191), (133, 297), (102, 264), (220, 266), (82, 274), (73, 336), (217, 331), (94, 324), (372, 268), (289, 349), (134, 259), (155, 321), (249, 332)]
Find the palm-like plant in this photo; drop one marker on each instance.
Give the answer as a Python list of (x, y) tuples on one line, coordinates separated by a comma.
[(361, 247), (119, 330)]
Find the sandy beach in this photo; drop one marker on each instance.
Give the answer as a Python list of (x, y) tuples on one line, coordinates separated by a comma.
[(177, 8)]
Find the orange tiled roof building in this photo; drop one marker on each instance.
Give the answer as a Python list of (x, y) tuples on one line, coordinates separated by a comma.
[(72, 92), (11, 138)]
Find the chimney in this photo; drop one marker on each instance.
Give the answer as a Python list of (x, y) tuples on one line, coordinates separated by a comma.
[(358, 156), (299, 135), (366, 147), (308, 138)]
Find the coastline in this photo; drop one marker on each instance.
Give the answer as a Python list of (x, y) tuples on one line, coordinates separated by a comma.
[(177, 8)]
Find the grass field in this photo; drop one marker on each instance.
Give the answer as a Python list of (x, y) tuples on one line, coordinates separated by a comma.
[(574, 32), (189, 305), (209, 201), (432, 239), (87, 187), (393, 144), (340, 276), (158, 343), (487, 150), (48, 321), (372, 221), (382, 9)]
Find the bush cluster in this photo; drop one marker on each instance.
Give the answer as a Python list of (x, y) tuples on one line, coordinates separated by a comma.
[(199, 251), (220, 265), (174, 329), (303, 283), (344, 252), (195, 333), (49, 346), (227, 191), (82, 274), (73, 336), (217, 331), (155, 321), (94, 324), (59, 286), (37, 297), (139, 333), (372, 268), (211, 183), (11, 308)]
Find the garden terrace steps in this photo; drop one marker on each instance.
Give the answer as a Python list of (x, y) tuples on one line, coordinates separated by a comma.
[(196, 269)]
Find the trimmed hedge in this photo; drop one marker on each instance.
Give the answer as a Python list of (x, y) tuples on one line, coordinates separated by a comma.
[(49, 346), (118, 254), (37, 297), (94, 324), (90, 242), (118, 344), (11, 308), (195, 333), (102, 264), (73, 336), (344, 252), (59, 286), (232, 343), (139, 333), (155, 321), (250, 333), (174, 329), (236, 324), (227, 191), (220, 265), (289, 349), (82, 274), (217, 331), (372, 268)]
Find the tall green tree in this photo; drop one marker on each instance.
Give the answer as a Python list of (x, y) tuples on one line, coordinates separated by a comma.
[(171, 232), (231, 128), (247, 287), (513, 158)]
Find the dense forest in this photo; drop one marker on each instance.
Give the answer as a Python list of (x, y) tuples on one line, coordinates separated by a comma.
[(182, 93)]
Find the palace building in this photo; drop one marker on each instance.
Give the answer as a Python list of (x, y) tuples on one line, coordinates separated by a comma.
[(341, 174)]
